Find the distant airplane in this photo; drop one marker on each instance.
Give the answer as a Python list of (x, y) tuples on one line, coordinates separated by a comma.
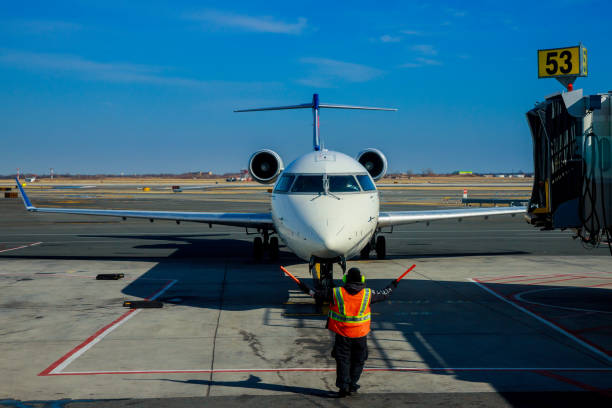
[(325, 205), (30, 179)]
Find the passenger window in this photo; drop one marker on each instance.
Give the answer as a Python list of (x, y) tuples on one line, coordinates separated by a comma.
[(366, 182), (308, 184), (284, 184), (343, 184)]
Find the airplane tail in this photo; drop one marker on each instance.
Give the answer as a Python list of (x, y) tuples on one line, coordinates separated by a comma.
[(24, 197), (315, 105)]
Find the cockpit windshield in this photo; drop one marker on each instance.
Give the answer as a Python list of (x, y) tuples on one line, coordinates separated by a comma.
[(308, 184), (316, 184), (343, 184)]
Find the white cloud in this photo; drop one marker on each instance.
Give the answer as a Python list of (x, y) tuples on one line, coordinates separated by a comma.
[(389, 39), (421, 62), (426, 49), (326, 71), (100, 71), (261, 24)]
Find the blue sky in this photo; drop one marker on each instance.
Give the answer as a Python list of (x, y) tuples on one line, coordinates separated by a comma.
[(135, 87)]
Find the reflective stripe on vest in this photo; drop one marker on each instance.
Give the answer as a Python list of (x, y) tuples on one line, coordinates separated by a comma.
[(341, 315)]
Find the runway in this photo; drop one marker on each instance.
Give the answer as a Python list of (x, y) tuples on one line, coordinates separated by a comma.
[(495, 312)]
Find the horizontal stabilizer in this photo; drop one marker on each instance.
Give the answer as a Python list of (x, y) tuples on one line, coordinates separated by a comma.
[(333, 106)]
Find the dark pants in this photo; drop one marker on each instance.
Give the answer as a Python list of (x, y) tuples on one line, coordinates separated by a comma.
[(350, 355)]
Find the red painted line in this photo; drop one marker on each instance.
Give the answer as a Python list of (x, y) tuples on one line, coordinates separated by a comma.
[(22, 246), (91, 338), (504, 277), (539, 277), (575, 383), (305, 370), (558, 280), (596, 286), (541, 283), (47, 371)]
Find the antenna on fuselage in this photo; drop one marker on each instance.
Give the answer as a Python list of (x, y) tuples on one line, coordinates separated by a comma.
[(315, 106)]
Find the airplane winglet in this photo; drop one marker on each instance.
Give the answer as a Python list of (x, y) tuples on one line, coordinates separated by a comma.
[(24, 197)]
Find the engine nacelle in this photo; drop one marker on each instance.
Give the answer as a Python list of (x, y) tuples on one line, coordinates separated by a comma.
[(265, 166), (374, 161)]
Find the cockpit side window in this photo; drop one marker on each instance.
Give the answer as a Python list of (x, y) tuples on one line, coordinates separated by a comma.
[(308, 184), (343, 184), (366, 182), (284, 183)]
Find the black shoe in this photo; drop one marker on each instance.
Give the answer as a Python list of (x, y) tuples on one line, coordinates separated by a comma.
[(353, 389), (343, 393)]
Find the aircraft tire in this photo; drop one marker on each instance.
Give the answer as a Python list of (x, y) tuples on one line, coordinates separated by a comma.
[(273, 248), (381, 247), (258, 248)]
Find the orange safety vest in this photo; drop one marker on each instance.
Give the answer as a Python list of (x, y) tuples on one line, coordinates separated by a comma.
[(349, 315)]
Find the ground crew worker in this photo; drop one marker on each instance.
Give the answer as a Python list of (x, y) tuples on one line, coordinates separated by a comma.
[(349, 318)]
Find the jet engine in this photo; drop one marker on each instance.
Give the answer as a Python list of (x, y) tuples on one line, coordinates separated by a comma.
[(374, 161), (265, 166)]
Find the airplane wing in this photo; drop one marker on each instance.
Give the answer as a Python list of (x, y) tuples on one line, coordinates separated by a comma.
[(390, 218), (252, 220)]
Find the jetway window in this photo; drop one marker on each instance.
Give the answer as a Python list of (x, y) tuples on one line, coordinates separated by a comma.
[(284, 184), (343, 184), (308, 184), (366, 182)]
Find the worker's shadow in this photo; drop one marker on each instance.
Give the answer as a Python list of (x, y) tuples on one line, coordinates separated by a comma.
[(255, 382)]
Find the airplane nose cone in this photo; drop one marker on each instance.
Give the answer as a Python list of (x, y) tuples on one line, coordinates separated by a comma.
[(330, 244), (333, 246)]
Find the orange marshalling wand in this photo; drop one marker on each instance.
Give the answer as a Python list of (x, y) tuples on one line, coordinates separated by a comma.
[(296, 280), (405, 273)]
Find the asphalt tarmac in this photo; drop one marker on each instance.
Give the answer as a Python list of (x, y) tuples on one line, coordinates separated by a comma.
[(496, 312)]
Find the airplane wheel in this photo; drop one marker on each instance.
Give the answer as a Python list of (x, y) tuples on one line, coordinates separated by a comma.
[(381, 247), (258, 248), (365, 252), (273, 248)]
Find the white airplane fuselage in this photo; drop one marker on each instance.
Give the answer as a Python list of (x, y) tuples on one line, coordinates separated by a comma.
[(330, 223)]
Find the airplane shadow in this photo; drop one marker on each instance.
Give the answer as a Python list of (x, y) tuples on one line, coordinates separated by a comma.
[(254, 382)]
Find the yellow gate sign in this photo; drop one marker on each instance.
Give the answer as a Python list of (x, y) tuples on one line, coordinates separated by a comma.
[(562, 62)]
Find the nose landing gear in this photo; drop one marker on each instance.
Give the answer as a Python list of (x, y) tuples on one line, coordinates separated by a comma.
[(261, 244), (379, 244), (322, 271)]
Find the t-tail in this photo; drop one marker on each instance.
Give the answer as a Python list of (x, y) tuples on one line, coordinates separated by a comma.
[(315, 105)]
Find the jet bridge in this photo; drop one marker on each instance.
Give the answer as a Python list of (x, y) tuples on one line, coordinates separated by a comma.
[(572, 153)]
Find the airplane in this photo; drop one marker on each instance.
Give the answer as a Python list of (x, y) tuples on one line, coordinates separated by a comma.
[(325, 206)]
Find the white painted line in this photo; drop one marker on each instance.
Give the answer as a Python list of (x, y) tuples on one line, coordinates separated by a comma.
[(90, 342), (546, 322), (20, 247), (93, 342)]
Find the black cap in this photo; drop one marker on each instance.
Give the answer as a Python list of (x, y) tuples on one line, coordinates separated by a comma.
[(353, 275)]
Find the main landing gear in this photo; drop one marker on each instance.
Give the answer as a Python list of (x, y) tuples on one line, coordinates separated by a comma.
[(265, 243), (322, 271), (379, 244)]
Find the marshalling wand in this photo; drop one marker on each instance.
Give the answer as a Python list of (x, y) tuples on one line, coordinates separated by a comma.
[(296, 280)]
